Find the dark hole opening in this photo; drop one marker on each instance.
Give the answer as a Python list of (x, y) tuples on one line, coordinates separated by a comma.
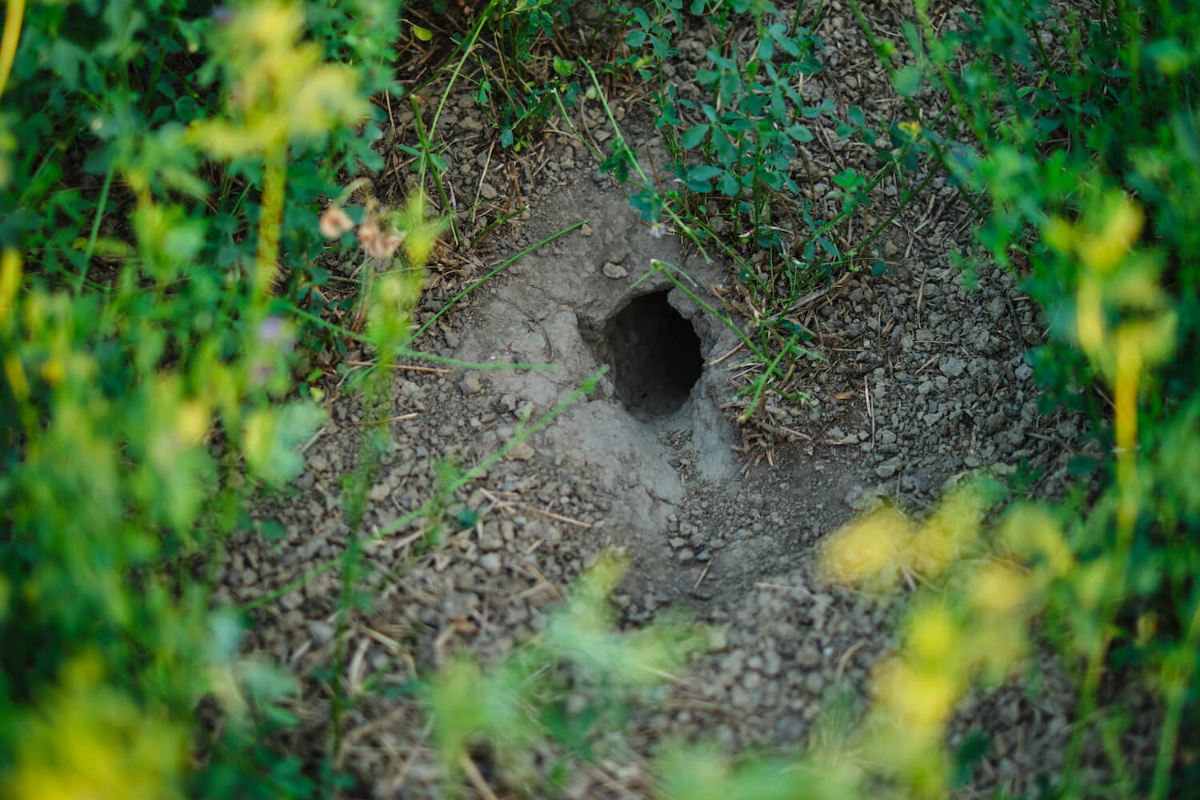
[(654, 353)]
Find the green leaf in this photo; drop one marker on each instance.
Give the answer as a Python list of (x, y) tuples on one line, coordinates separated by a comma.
[(371, 160), (726, 152), (704, 172), (1082, 465), (563, 67), (635, 38), (1047, 125), (974, 747), (848, 179), (693, 136), (272, 530), (424, 34), (907, 81), (779, 33), (731, 87), (912, 36), (800, 133), (64, 59), (772, 179), (648, 203), (272, 439), (1168, 55), (506, 137), (187, 109)]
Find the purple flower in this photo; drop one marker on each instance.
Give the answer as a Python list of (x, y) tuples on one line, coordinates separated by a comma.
[(658, 229), (271, 330)]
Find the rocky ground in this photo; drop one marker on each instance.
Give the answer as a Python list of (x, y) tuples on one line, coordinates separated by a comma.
[(918, 378)]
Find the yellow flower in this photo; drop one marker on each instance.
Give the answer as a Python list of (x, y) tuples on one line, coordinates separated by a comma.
[(89, 741), (1031, 532), (258, 437), (1108, 242), (867, 549), (10, 280), (271, 25), (995, 646), (15, 373), (998, 589), (932, 634), (192, 421), (282, 86), (53, 370), (920, 699), (1059, 234), (1088, 581), (1136, 284), (1089, 316), (421, 233), (946, 533)]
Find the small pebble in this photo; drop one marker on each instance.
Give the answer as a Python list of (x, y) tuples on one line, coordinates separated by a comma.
[(615, 271)]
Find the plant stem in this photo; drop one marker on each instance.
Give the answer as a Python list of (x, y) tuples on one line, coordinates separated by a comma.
[(1177, 693), (426, 149), (683, 226), (761, 382), (91, 245), (895, 212), (500, 221), (503, 265), (12, 35), (270, 218), (280, 304)]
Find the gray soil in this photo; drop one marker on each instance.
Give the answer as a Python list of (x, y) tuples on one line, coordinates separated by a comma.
[(917, 379)]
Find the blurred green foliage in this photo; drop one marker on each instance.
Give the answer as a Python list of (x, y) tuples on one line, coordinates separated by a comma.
[(145, 381), (532, 696)]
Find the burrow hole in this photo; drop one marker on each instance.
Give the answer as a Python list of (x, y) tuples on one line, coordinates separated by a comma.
[(654, 353)]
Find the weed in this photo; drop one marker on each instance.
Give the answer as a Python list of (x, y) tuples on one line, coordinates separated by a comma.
[(146, 370)]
